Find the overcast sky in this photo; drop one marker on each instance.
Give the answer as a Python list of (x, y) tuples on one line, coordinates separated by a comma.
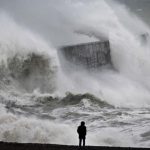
[(49, 17)]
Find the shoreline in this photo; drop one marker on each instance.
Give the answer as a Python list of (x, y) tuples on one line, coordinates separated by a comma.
[(38, 146)]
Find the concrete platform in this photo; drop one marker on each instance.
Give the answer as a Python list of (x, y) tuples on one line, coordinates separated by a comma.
[(90, 55), (27, 146)]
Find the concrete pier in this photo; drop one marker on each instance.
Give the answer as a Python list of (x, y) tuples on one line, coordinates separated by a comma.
[(89, 55)]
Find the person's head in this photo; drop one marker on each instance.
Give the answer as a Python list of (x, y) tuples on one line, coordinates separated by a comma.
[(82, 123)]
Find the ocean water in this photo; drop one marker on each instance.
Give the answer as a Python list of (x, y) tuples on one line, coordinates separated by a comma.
[(43, 100)]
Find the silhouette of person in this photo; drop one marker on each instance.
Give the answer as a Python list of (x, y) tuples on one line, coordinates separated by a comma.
[(82, 133)]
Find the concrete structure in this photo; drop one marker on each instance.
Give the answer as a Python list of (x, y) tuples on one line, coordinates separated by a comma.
[(89, 55)]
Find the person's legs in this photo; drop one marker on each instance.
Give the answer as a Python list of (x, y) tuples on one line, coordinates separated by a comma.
[(80, 141), (83, 142)]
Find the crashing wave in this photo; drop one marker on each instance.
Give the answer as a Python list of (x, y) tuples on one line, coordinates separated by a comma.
[(33, 71), (72, 99)]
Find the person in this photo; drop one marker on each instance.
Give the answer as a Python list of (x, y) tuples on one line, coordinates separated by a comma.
[(82, 133)]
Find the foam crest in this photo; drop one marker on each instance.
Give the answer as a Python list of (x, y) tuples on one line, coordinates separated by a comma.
[(25, 57)]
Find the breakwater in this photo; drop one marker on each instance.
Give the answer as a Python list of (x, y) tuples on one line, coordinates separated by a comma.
[(89, 55)]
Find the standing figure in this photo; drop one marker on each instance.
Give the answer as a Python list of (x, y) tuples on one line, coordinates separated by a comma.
[(82, 133)]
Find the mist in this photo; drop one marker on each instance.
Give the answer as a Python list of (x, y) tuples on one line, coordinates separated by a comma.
[(45, 18), (53, 19)]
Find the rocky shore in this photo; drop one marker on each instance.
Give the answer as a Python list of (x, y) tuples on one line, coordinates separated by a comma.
[(29, 146)]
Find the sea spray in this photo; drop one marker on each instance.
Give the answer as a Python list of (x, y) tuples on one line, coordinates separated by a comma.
[(128, 84), (26, 58)]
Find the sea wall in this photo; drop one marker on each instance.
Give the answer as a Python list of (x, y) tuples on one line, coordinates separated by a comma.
[(33, 146), (89, 55)]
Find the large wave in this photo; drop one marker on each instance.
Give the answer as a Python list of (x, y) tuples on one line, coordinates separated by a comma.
[(25, 59), (129, 84)]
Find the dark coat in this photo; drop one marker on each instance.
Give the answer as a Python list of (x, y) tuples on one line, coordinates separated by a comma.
[(81, 131)]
